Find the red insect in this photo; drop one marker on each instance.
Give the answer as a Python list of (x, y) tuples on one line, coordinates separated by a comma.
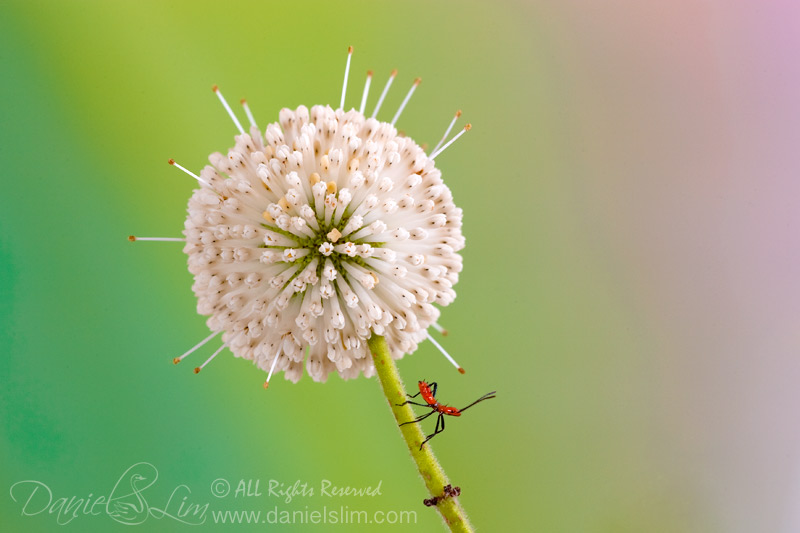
[(428, 392)]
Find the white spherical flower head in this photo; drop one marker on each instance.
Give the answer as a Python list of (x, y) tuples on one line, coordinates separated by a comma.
[(323, 230)]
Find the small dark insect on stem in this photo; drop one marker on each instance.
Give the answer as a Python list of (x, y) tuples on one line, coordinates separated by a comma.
[(448, 492)]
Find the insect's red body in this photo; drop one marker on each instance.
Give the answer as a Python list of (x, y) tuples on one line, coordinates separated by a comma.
[(428, 393)]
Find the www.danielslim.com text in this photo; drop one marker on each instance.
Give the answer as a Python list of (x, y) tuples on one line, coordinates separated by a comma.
[(325, 515)]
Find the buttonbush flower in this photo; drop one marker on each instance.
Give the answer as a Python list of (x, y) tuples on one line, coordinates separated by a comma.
[(306, 238)]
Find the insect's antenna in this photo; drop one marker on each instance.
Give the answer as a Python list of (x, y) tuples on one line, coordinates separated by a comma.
[(487, 396)]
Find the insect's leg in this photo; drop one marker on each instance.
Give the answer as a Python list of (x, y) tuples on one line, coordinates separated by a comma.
[(433, 388), (418, 419), (412, 403), (439, 429)]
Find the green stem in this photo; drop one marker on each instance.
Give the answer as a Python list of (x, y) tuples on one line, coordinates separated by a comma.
[(432, 474)]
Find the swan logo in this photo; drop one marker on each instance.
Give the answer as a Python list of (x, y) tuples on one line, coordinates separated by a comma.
[(126, 503)]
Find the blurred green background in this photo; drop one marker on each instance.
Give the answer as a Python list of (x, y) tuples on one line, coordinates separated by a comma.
[(629, 192)]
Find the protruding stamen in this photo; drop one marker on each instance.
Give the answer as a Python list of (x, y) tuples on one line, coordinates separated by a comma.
[(228, 109), (440, 329), (444, 352), (451, 141), (346, 73), (271, 370), (406, 99), (385, 91), (189, 172), (195, 347), (213, 355), (134, 238), (446, 133), (366, 92), (248, 113)]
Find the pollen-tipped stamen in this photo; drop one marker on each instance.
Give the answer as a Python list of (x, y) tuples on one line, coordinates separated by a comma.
[(366, 92), (384, 93), (346, 73), (213, 355), (189, 172), (406, 99), (451, 141), (271, 370), (447, 132), (249, 113), (440, 329), (444, 352), (134, 238), (177, 360), (228, 109)]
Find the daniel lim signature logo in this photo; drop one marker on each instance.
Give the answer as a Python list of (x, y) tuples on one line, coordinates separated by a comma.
[(126, 503)]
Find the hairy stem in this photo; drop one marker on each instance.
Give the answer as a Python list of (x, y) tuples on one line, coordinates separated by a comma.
[(432, 474)]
